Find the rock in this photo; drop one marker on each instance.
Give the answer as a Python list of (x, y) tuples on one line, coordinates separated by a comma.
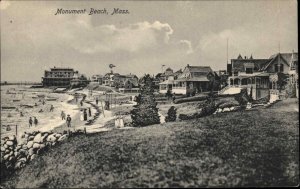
[(22, 160), (42, 146), (51, 138), (12, 138), (11, 158), (6, 157), (226, 110), (18, 165), (30, 151), (24, 146), (63, 137), (9, 143), (36, 145), (32, 157), (19, 147), (57, 135), (29, 144), (38, 138), (30, 138)]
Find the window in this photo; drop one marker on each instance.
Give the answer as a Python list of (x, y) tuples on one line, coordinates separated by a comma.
[(278, 67), (249, 70)]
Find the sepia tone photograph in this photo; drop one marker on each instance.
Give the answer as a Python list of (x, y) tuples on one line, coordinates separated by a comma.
[(149, 94)]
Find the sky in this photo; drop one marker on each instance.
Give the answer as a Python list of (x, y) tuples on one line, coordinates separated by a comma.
[(170, 33)]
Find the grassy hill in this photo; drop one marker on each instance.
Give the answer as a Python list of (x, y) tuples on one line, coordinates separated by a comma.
[(251, 148)]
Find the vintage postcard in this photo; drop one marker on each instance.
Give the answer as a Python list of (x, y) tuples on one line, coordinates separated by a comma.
[(152, 94)]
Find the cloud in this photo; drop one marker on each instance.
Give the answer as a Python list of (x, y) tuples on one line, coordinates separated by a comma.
[(90, 39), (4, 5), (189, 46)]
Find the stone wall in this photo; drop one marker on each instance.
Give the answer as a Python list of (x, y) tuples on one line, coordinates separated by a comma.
[(15, 154)]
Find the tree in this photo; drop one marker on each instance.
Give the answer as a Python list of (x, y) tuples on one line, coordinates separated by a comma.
[(145, 112)]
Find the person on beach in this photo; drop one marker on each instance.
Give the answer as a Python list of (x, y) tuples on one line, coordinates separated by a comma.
[(84, 115), (90, 112), (68, 121), (30, 122), (51, 108), (63, 115), (174, 97), (35, 121)]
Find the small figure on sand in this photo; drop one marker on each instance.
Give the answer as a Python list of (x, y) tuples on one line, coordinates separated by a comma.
[(63, 115), (41, 110), (51, 108), (84, 115), (35, 121), (30, 122), (174, 97), (68, 121), (90, 112)]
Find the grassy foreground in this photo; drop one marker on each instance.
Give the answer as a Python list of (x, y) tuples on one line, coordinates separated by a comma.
[(251, 148)]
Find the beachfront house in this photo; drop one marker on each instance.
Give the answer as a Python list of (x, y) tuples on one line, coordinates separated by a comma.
[(263, 77), (192, 80), (61, 77)]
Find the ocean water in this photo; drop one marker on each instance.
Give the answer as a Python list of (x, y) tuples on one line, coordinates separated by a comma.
[(29, 102)]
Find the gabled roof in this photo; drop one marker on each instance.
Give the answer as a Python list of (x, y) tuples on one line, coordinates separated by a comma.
[(285, 57), (239, 64), (199, 68)]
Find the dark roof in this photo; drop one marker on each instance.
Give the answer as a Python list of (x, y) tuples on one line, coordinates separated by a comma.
[(239, 64), (199, 68), (286, 57)]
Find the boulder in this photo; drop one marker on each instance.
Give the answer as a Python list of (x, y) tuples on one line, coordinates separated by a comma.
[(42, 146), (38, 138), (29, 144), (36, 145), (18, 165), (51, 138), (6, 157), (22, 160), (63, 137), (30, 138), (12, 138), (30, 151), (9, 143), (226, 110), (32, 157)]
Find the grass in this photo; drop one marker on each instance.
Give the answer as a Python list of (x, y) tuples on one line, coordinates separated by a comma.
[(250, 148)]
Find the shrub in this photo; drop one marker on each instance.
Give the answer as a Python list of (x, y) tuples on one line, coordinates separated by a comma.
[(145, 112), (190, 99), (171, 114)]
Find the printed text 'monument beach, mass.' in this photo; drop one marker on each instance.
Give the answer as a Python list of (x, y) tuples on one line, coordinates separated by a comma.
[(92, 11)]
